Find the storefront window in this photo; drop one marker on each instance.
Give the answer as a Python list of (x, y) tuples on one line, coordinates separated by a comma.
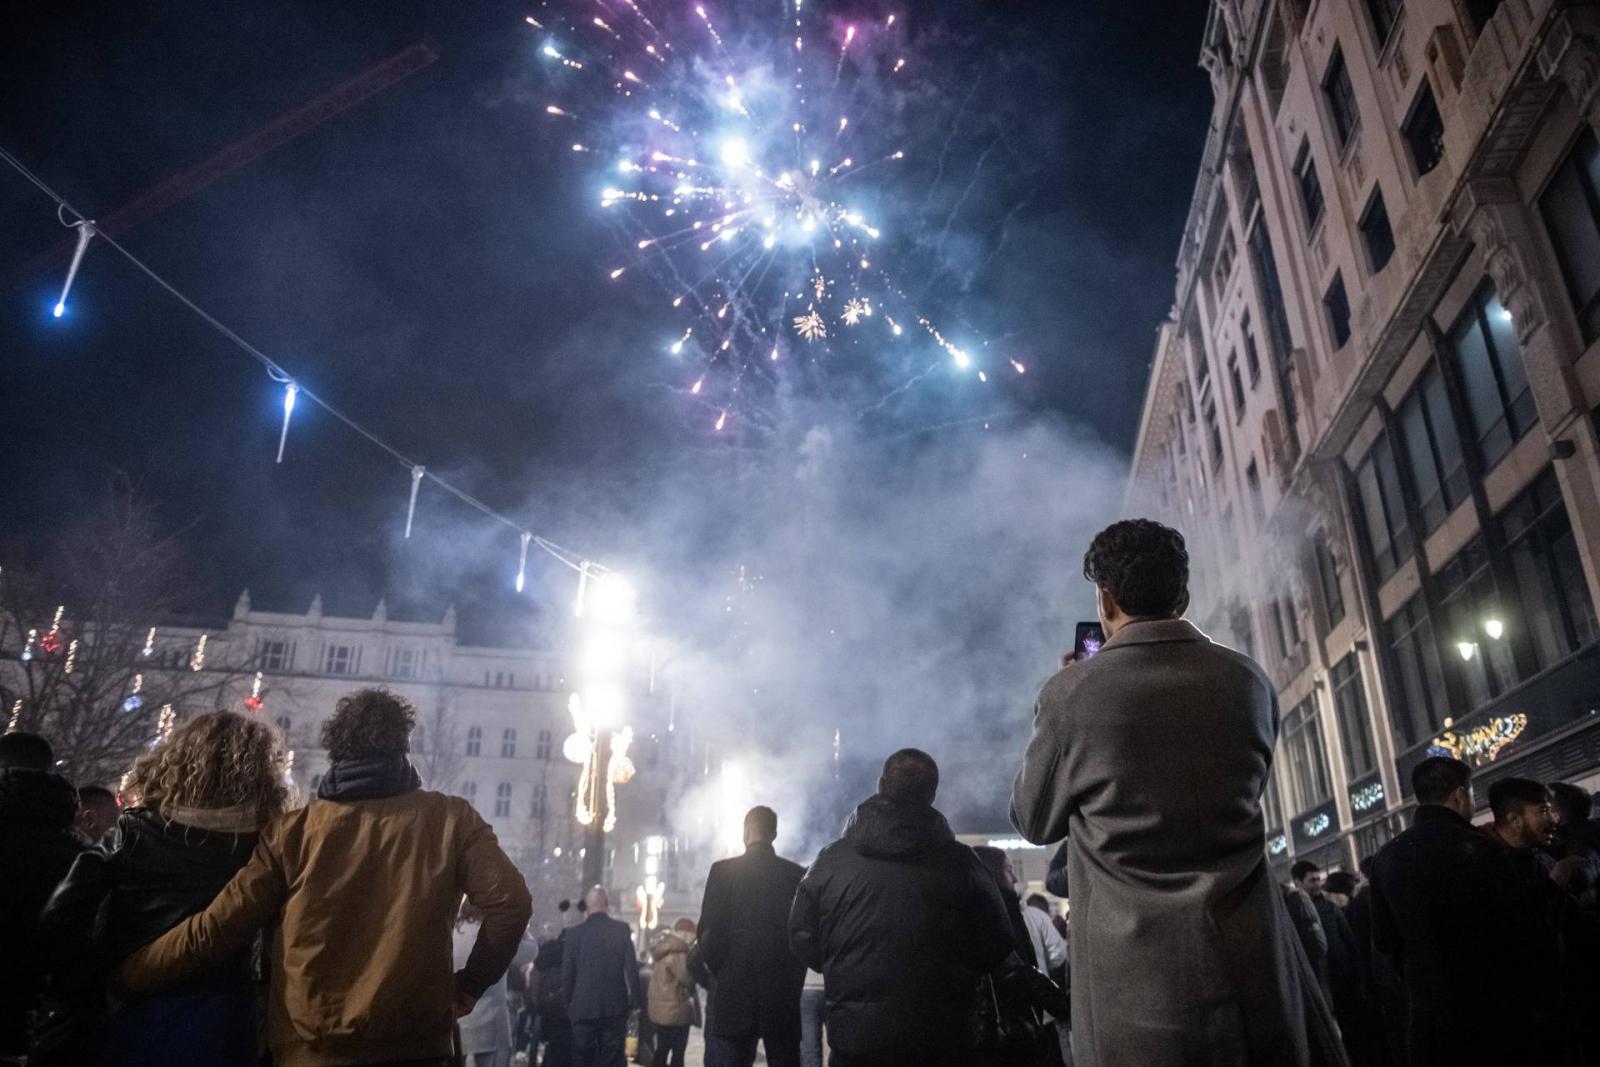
[(1307, 757), (1350, 708)]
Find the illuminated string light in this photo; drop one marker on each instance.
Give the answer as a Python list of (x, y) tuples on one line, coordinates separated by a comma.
[(290, 391), (149, 644), (522, 561), (134, 701), (86, 230), (15, 722), (411, 505), (72, 657), (198, 660), (26, 654), (254, 701)]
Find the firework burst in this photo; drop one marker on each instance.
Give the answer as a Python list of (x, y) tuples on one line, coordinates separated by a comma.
[(743, 164)]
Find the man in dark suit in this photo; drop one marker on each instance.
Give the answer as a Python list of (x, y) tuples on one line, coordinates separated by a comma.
[(1447, 911), (744, 936), (600, 977)]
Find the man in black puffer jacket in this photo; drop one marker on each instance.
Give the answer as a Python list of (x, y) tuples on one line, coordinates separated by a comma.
[(901, 919), (37, 847)]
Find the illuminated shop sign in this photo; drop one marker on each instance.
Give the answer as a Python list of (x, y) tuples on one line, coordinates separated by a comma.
[(1369, 797), (1013, 844), (1277, 845), (1311, 828), (1481, 744)]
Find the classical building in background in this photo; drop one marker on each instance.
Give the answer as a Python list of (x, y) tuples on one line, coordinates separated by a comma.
[(1372, 408), (491, 722)]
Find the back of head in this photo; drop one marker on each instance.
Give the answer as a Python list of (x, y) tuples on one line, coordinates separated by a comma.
[(910, 775), (684, 927), (1437, 777), (369, 724), (1143, 566), (1038, 900), (760, 825), (993, 860), (21, 751), (1342, 882), (1575, 803), (217, 760), (1364, 865), (1508, 796), (597, 901)]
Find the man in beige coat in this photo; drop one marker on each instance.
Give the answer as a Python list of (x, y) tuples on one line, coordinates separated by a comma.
[(1151, 759)]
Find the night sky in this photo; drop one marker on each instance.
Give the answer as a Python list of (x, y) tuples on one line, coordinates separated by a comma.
[(434, 263)]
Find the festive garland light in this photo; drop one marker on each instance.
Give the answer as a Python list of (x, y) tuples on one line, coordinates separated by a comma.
[(254, 701), (72, 657), (149, 644), (135, 701), (198, 660), (164, 726), (16, 717)]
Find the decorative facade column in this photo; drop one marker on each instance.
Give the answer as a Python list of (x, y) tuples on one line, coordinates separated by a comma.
[(1528, 281)]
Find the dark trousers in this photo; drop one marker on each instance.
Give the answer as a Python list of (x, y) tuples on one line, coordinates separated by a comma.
[(740, 1051), (671, 1041), (600, 1042)]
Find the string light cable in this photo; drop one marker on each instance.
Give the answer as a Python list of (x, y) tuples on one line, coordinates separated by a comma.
[(294, 389)]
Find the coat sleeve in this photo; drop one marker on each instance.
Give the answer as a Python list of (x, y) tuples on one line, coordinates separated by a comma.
[(1386, 936), (805, 926), (244, 907), (1055, 878), (569, 967), (714, 945), (494, 886), (1039, 806), (68, 921)]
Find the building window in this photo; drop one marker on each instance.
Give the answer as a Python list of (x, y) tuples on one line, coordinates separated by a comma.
[(1433, 448), (1271, 806), (1239, 623), (1350, 710), (1384, 15), (1224, 268), (1418, 708), (1467, 596), (1423, 130), (407, 662), (1498, 397), (1283, 611), (1329, 578), (1383, 509), (1265, 266), (1252, 358), (1230, 536), (1213, 433), (502, 800), (1376, 233), (539, 796), (275, 656), (544, 744), (1306, 757), (1252, 482), (469, 791), (1341, 97), (1337, 305), (1236, 383), (475, 741), (1305, 172), (508, 743), (1481, 11), (1552, 594), (341, 659), (283, 723), (1571, 210)]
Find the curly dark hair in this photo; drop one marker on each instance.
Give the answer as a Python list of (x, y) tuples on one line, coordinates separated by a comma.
[(1143, 565), (369, 722)]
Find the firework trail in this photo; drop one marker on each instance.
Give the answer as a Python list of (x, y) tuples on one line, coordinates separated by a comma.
[(746, 163)]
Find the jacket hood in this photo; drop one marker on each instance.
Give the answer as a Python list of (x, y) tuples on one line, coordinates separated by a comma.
[(144, 828), (894, 829), (369, 779), (38, 799), (667, 945)]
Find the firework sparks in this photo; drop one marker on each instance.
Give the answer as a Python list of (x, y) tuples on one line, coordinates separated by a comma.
[(744, 165)]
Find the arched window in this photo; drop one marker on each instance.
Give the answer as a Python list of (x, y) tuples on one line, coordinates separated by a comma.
[(474, 741), (542, 749), (502, 800), (508, 742)]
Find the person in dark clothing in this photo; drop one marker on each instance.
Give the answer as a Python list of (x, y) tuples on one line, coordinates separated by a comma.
[(1576, 848), (37, 848), (745, 944), (1313, 938), (548, 997), (1014, 996), (1346, 969), (98, 813), (204, 795), (1439, 878), (600, 980), (1388, 1039), (901, 919)]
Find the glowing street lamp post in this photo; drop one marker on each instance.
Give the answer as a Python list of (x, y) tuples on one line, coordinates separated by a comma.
[(599, 742)]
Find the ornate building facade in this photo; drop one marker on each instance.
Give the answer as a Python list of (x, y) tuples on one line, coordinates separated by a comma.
[(1373, 406)]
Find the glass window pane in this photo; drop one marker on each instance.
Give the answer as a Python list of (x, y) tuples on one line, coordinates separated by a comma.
[(1571, 226), (1541, 617), (1477, 372), (1446, 439), (1424, 470), (1372, 512)]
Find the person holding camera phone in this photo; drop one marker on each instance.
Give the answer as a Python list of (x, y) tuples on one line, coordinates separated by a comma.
[(1150, 757)]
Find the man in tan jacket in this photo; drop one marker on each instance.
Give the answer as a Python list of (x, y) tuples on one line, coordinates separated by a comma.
[(358, 892)]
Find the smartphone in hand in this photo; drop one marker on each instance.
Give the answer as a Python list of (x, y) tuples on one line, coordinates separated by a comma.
[(1087, 641)]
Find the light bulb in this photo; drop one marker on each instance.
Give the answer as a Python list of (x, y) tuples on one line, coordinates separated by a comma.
[(1467, 649), (1494, 628)]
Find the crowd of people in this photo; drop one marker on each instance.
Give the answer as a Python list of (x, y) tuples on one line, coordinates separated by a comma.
[(202, 918)]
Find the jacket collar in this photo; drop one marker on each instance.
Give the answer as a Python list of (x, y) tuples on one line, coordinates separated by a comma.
[(369, 779), (1155, 631), (760, 848), (1438, 813)]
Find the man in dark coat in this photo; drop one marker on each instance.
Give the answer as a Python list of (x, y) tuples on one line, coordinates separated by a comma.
[(1346, 984), (744, 937), (1150, 759), (37, 847), (901, 919), (1447, 912), (600, 977)]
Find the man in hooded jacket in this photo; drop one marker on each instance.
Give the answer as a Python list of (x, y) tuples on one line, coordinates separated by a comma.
[(901, 919), (37, 847)]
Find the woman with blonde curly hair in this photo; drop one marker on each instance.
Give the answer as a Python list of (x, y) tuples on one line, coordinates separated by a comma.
[(202, 797)]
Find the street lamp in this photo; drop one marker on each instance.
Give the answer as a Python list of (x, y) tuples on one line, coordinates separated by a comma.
[(1494, 628), (599, 741)]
